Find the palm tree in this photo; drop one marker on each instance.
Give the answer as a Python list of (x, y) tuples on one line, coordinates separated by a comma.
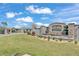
[(5, 27), (4, 24)]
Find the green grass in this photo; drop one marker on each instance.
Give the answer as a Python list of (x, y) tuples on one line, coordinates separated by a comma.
[(26, 44)]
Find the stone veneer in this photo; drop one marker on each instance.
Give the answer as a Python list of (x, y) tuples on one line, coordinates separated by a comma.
[(71, 30), (56, 29)]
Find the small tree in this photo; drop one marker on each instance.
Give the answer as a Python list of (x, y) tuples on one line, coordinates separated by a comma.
[(33, 33), (4, 26)]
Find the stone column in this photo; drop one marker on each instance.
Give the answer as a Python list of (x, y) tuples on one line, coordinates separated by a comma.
[(77, 33), (71, 30), (5, 31)]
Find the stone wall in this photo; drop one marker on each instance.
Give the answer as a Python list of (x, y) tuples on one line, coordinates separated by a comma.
[(56, 29)]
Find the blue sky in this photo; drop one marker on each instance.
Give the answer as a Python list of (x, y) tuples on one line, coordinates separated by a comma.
[(24, 14)]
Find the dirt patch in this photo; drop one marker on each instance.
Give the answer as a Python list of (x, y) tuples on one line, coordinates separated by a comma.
[(26, 55)]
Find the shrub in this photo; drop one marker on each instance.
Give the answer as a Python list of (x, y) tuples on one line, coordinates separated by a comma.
[(53, 38), (75, 42), (60, 39), (28, 33), (70, 40), (45, 37), (40, 36), (33, 33)]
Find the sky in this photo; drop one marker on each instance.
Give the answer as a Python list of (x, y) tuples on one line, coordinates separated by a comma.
[(25, 14)]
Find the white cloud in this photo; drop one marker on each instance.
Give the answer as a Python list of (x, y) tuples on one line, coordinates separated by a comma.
[(24, 24), (25, 19), (12, 14), (44, 18), (68, 12), (73, 19), (20, 25), (17, 26), (40, 24), (72, 22), (20, 13), (68, 20), (46, 24), (59, 20), (34, 9), (72, 12)]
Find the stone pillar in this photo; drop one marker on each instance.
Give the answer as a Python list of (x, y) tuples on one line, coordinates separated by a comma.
[(50, 29), (71, 30), (5, 31), (43, 30), (77, 33), (33, 28)]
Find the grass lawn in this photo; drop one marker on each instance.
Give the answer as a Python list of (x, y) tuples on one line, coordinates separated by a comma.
[(26, 44)]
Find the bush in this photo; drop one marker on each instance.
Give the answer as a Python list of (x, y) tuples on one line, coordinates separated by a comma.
[(69, 40), (53, 38), (45, 37), (28, 33), (39, 36), (33, 33), (60, 39), (75, 42)]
